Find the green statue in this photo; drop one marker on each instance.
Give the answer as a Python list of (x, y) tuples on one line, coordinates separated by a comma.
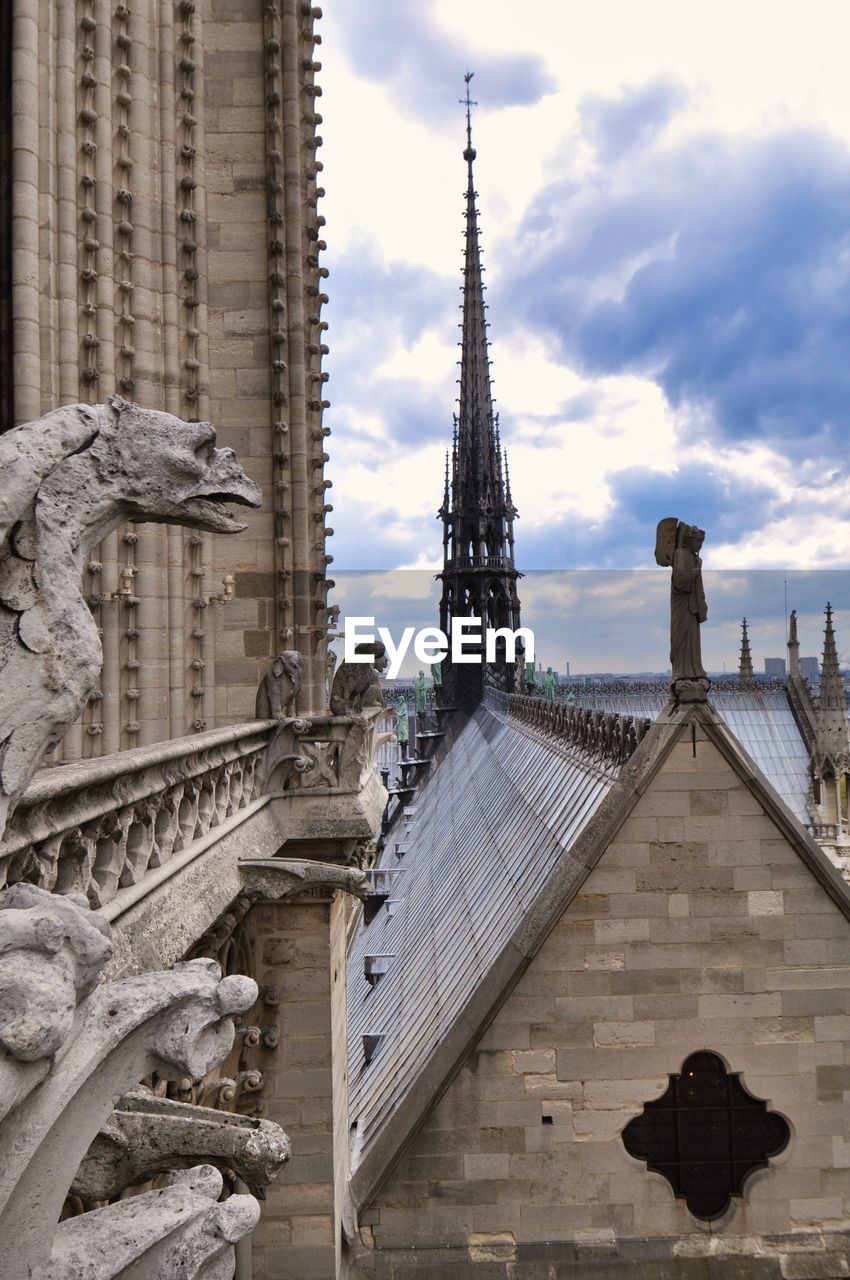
[(530, 680), (402, 726), (420, 693), (571, 698), (549, 685), (436, 673)]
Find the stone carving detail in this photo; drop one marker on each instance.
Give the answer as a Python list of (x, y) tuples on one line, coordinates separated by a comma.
[(69, 1047), (53, 950), (677, 546), (146, 1136), (356, 685), (601, 735), (180, 1230), (99, 827), (280, 685), (68, 480), (278, 878), (324, 753)]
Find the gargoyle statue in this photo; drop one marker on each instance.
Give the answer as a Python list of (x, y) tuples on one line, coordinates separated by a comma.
[(357, 684), (280, 685), (66, 481)]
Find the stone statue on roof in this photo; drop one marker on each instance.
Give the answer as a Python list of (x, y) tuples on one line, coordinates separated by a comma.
[(437, 674), (357, 685), (530, 680), (677, 546), (549, 685), (420, 692), (402, 724), (280, 686)]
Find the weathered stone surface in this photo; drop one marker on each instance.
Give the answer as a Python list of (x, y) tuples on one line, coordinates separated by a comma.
[(356, 685), (78, 1048), (146, 1136), (274, 878), (178, 1231), (280, 686), (52, 950), (69, 479)]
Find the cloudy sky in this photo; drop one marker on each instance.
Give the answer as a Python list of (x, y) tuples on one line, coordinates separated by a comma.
[(665, 206)]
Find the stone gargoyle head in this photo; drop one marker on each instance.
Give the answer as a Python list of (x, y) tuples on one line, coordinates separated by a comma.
[(66, 481)]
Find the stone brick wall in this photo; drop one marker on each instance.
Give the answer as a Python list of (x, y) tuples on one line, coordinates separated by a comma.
[(699, 928), (293, 949), (166, 245)]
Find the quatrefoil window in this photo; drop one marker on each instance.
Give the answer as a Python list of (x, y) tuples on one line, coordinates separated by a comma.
[(706, 1134)]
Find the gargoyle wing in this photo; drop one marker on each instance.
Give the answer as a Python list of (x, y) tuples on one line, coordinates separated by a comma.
[(26, 460)]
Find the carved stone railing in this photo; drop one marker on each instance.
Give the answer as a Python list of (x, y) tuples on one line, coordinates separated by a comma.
[(827, 830), (601, 735), (100, 826)]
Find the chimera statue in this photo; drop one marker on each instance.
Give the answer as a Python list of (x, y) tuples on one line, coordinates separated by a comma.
[(66, 481)]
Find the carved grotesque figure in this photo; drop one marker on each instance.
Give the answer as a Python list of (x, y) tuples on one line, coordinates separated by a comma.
[(52, 949), (66, 481), (280, 686), (357, 684)]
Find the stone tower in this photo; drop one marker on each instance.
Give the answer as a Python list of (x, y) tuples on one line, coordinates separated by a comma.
[(479, 578), (160, 238)]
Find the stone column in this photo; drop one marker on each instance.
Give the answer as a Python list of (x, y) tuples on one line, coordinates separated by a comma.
[(300, 949)]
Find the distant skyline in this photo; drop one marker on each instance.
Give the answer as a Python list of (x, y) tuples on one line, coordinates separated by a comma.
[(665, 206), (618, 621)]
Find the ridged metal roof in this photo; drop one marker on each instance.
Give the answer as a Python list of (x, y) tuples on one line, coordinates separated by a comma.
[(503, 807), (761, 720)]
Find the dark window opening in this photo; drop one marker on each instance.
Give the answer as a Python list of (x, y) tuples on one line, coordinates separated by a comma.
[(706, 1135)]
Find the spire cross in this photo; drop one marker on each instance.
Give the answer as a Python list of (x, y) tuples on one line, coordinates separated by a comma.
[(469, 103)]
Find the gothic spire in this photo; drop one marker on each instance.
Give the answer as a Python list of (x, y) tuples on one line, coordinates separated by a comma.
[(793, 645), (479, 578), (745, 662), (831, 684), (478, 454), (833, 729)]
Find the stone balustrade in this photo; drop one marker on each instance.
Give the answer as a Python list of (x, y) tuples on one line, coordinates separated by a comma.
[(603, 735), (99, 826)]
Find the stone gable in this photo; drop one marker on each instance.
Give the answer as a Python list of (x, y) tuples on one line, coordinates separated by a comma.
[(699, 928)]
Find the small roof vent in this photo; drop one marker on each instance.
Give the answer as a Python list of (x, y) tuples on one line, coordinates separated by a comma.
[(375, 966), (371, 1045)]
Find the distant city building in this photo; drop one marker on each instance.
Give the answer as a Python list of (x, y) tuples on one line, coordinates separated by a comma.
[(774, 666), (809, 668)]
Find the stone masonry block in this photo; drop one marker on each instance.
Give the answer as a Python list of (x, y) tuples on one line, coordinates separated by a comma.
[(537, 1061), (624, 1033)]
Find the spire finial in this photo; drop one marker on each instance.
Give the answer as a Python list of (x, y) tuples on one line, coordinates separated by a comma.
[(469, 103)]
